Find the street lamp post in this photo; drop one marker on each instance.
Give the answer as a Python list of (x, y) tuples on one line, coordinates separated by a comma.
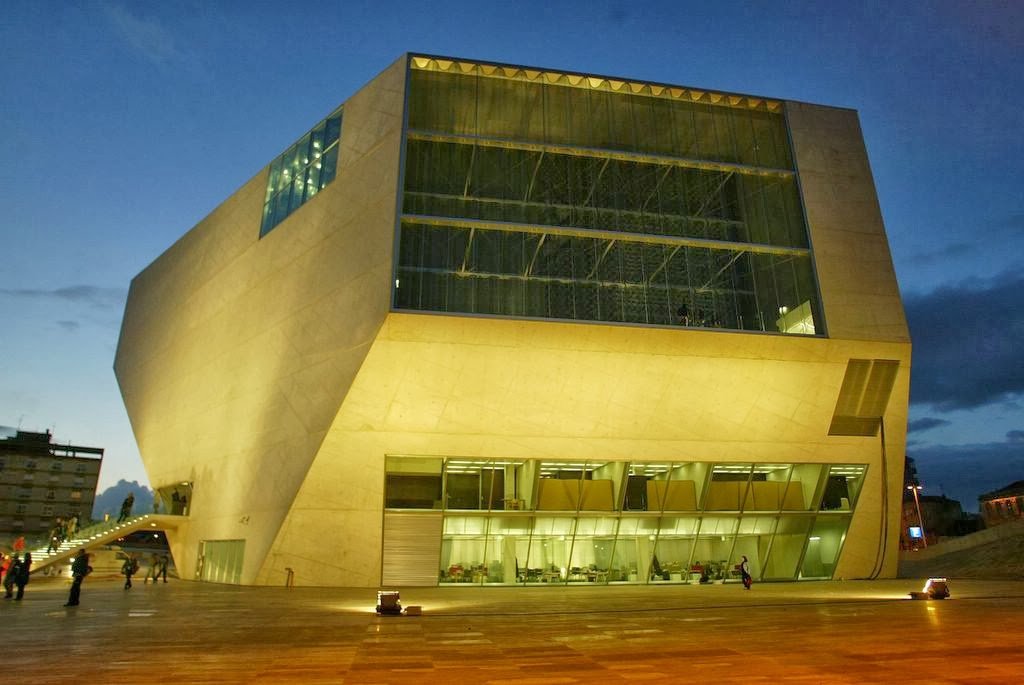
[(920, 521)]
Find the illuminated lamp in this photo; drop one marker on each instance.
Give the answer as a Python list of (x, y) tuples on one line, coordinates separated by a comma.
[(388, 603), (937, 588), (934, 588)]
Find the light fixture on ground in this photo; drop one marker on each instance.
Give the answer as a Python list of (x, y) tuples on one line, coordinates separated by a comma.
[(934, 588), (388, 602)]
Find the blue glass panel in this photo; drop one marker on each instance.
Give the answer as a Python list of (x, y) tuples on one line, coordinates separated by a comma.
[(329, 166), (301, 171), (332, 130)]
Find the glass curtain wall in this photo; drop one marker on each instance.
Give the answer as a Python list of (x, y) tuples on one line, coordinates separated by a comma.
[(525, 522), (538, 194)]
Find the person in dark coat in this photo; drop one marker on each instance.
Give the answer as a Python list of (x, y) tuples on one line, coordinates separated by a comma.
[(745, 573), (80, 568), (128, 568), (21, 580), (9, 577), (126, 507)]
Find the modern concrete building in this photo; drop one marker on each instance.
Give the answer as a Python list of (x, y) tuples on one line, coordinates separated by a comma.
[(41, 480), (499, 324)]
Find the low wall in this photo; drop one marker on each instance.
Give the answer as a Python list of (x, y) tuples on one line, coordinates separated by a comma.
[(982, 537)]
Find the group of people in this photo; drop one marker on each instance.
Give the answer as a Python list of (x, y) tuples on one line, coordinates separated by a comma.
[(15, 571), (64, 528), (157, 568)]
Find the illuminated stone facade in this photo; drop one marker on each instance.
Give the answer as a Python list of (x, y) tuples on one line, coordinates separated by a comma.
[(534, 327)]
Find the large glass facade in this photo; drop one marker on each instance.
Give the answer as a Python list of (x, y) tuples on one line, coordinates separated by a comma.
[(301, 172), (536, 194), (527, 522)]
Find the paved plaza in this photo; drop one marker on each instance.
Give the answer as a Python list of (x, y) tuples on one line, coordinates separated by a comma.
[(827, 632)]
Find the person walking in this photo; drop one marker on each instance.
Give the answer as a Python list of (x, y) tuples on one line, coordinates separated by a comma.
[(71, 526), (80, 568), (126, 507), (154, 569), (128, 568), (163, 568), (21, 580), (745, 573), (55, 535)]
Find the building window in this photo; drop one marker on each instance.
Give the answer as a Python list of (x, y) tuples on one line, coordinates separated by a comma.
[(564, 521), (30, 464), (50, 494), (301, 172), (76, 494), (79, 468), (79, 480), (48, 510), (56, 466), (571, 198), (25, 493), (20, 509)]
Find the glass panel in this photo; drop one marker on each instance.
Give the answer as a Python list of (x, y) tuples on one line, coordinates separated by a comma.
[(713, 548), (644, 482), (768, 488), (548, 560), (506, 546), (634, 547), (412, 483), (728, 487), (463, 546), (790, 538), (671, 561), (592, 550), (302, 171), (803, 485), (843, 486), (823, 546), (492, 169)]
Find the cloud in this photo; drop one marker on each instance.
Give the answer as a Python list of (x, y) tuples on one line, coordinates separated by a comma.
[(69, 326), (100, 298), (954, 252), (146, 36), (925, 424), (1015, 436), (963, 472), (967, 343)]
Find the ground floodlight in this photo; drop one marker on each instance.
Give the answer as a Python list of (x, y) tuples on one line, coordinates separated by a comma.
[(937, 588), (388, 602)]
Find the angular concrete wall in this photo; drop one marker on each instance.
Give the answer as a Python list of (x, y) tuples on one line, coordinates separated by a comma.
[(448, 386), (857, 281), (236, 352)]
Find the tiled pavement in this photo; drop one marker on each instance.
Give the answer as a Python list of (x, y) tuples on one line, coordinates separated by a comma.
[(828, 632)]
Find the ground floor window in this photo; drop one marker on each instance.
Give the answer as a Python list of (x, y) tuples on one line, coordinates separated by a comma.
[(220, 561), (543, 521)]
